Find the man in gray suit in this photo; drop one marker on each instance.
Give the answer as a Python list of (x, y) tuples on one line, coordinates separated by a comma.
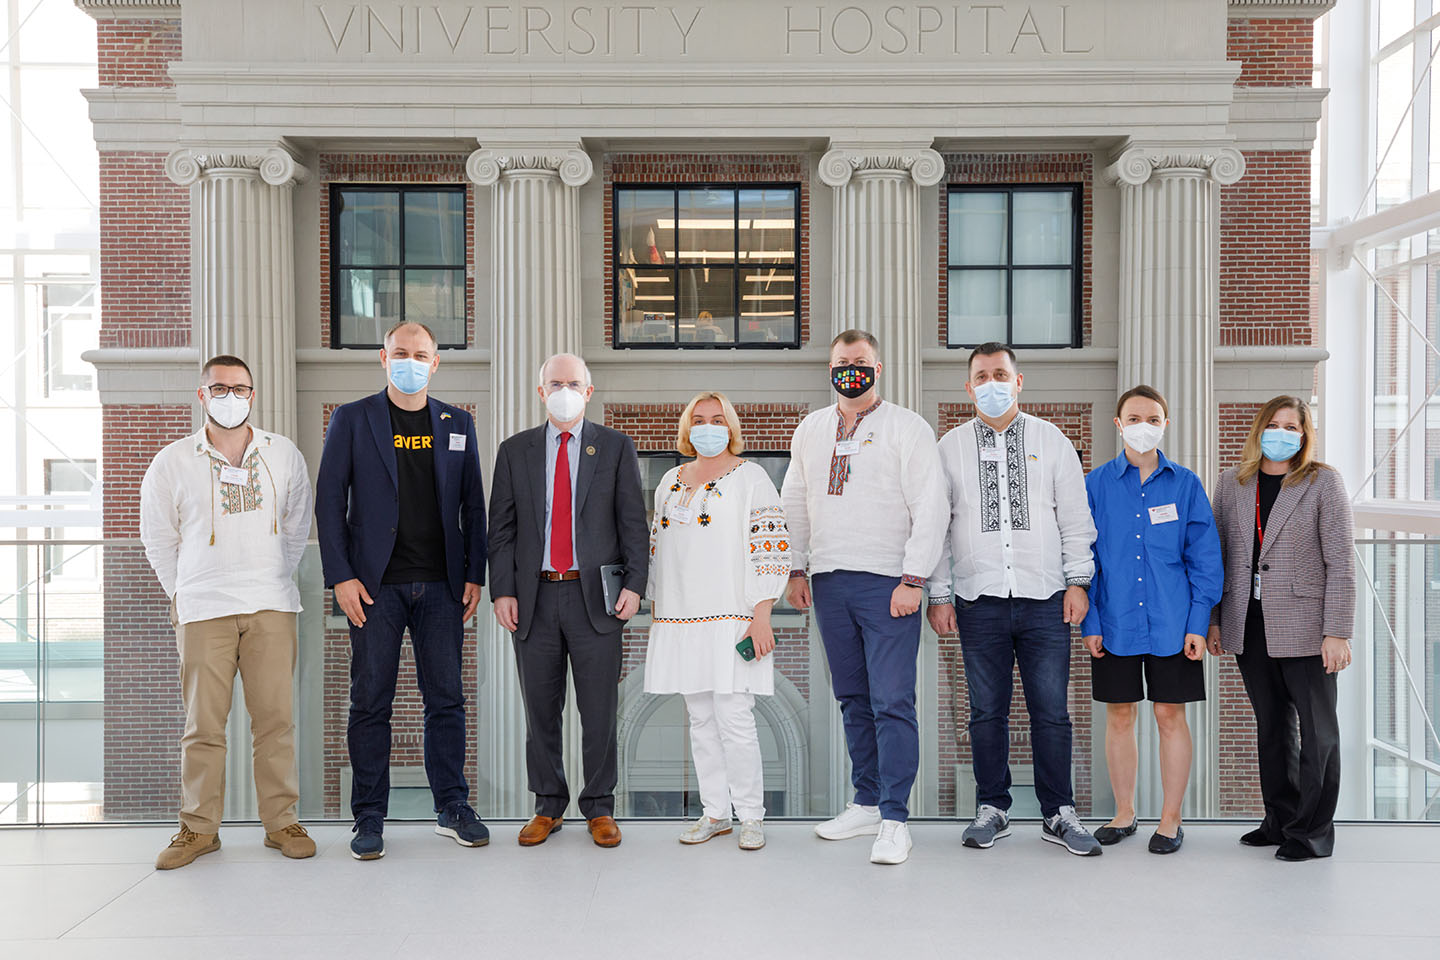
[(565, 501)]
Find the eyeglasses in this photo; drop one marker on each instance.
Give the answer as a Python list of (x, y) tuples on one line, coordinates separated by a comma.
[(218, 390), (554, 385)]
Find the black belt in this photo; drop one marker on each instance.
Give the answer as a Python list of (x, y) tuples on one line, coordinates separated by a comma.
[(550, 576)]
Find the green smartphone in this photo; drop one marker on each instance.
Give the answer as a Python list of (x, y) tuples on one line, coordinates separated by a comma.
[(746, 649)]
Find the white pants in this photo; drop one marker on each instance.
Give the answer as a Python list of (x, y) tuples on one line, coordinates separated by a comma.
[(726, 749)]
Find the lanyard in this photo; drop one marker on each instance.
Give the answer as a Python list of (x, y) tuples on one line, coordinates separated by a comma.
[(1259, 530)]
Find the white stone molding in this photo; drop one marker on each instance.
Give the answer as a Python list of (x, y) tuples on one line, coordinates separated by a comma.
[(1298, 9), (924, 165), (573, 166), (1137, 165), (131, 9), (275, 165)]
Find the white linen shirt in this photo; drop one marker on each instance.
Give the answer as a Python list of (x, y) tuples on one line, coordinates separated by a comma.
[(889, 516), (1020, 523), (226, 549)]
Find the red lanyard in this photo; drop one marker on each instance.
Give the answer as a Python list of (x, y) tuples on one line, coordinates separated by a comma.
[(1259, 531)]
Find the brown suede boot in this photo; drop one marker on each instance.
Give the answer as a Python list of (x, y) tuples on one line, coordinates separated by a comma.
[(292, 841), (185, 846)]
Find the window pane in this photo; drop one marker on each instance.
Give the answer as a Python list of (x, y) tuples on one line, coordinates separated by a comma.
[(707, 226), (767, 226), (977, 228), (369, 304), (436, 298), (642, 238), (369, 228), (647, 305), (1395, 79), (1396, 17), (977, 306), (1042, 306), (435, 228), (1043, 222), (767, 305), (707, 304)]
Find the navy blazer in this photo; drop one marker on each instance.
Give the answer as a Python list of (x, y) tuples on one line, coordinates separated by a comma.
[(357, 496)]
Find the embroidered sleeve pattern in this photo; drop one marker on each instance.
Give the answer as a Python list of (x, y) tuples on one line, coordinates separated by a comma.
[(769, 542)]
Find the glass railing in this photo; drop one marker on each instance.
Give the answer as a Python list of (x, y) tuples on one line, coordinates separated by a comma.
[(91, 718)]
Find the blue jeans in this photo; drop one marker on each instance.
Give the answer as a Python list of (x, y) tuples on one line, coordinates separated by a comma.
[(872, 671), (435, 620), (995, 632)]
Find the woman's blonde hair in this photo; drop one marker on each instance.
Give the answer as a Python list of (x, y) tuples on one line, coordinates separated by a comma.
[(1303, 466), (732, 420)]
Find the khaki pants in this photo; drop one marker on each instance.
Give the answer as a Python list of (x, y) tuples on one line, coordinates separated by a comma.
[(262, 646)]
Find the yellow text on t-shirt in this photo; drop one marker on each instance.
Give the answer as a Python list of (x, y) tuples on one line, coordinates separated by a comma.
[(403, 442)]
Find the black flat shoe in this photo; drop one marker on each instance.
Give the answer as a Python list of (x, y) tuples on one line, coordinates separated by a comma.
[(1164, 844), (1112, 835), (1259, 838), (1293, 851)]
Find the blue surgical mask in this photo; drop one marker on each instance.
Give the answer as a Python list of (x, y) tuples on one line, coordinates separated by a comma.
[(1279, 445), (994, 397), (409, 376), (709, 439)]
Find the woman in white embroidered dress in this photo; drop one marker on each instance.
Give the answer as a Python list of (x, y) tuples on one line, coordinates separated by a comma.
[(720, 558)]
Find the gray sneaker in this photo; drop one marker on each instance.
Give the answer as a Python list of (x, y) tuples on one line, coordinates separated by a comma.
[(1066, 829), (989, 825)]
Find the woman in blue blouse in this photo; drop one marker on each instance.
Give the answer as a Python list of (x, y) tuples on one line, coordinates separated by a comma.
[(1158, 573)]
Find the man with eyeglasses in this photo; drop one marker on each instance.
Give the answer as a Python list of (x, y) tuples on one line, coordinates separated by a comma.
[(401, 513), (566, 508), (224, 515)]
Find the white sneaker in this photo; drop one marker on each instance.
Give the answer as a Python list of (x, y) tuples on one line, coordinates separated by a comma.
[(856, 821), (893, 843)]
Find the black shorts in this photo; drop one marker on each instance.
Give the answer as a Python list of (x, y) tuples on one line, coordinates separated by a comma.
[(1174, 679)]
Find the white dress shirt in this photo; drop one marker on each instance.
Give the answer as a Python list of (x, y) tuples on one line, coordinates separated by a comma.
[(552, 454), (223, 548), (887, 516), (1020, 523)]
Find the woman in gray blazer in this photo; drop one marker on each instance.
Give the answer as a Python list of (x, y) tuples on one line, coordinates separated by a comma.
[(1287, 614)]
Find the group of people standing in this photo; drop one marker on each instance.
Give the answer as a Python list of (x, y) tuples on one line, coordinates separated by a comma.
[(997, 522)]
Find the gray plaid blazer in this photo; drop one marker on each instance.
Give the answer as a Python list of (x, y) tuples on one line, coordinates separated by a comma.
[(1307, 564)]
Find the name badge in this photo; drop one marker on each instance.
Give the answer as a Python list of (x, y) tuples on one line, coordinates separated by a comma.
[(1255, 591), (457, 441), (847, 448), (1164, 514), (235, 476), (682, 514), (991, 454)]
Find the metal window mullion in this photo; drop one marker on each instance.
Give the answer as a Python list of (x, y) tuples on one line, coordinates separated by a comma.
[(1010, 265), (735, 270), (675, 265)]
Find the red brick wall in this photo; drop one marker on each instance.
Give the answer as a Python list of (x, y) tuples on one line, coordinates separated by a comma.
[(136, 53), (1265, 289), (144, 253), (1073, 419), (143, 714), (1008, 168), (707, 168), (766, 427), (442, 168), (1273, 52)]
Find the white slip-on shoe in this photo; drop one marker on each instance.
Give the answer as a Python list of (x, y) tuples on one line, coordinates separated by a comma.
[(705, 828), (856, 821), (893, 844), (752, 834)]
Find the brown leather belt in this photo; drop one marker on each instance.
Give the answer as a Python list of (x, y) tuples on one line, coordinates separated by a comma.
[(551, 576)]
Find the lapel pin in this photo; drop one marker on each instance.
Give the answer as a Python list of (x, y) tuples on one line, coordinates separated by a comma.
[(590, 451), (444, 416)]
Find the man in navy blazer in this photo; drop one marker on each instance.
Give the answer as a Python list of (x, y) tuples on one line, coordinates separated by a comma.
[(401, 517)]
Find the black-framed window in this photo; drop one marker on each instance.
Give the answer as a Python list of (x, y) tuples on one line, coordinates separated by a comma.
[(1014, 274), (397, 252), (706, 265)]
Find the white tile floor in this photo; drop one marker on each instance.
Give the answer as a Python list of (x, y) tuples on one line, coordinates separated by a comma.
[(92, 893)]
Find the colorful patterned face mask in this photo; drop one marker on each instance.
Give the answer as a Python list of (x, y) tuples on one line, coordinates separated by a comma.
[(853, 380)]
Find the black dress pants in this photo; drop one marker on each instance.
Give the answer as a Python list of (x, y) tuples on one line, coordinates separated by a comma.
[(1297, 739)]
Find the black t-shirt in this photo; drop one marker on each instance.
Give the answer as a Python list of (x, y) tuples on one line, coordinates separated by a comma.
[(419, 554), (1270, 484)]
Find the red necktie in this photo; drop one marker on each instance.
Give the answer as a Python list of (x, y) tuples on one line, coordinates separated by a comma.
[(562, 551)]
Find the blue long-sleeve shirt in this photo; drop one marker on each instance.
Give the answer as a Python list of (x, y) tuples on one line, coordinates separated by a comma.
[(1158, 566)]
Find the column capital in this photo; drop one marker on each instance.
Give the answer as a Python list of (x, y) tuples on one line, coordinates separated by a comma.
[(924, 165), (275, 165), (1223, 164), (487, 165)]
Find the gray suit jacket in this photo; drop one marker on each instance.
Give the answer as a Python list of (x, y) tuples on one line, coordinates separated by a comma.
[(1307, 564), (610, 524)]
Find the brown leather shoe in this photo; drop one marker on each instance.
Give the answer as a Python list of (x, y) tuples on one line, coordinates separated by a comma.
[(605, 832), (538, 829)]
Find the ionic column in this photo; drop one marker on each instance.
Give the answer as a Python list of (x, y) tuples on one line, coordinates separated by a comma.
[(1170, 288), (876, 261), (242, 266)]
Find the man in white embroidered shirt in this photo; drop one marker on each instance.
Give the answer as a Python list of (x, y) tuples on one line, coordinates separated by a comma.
[(866, 510), (224, 515), (1017, 563)]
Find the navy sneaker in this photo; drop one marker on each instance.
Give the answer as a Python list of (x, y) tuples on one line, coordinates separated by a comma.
[(458, 822), (369, 842)]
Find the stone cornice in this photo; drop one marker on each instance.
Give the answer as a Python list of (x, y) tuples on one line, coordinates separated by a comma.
[(487, 165), (275, 165), (131, 9), (1299, 9), (1276, 118), (924, 165), (1223, 164)]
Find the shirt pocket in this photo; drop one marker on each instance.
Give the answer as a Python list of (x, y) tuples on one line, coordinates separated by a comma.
[(1165, 541)]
